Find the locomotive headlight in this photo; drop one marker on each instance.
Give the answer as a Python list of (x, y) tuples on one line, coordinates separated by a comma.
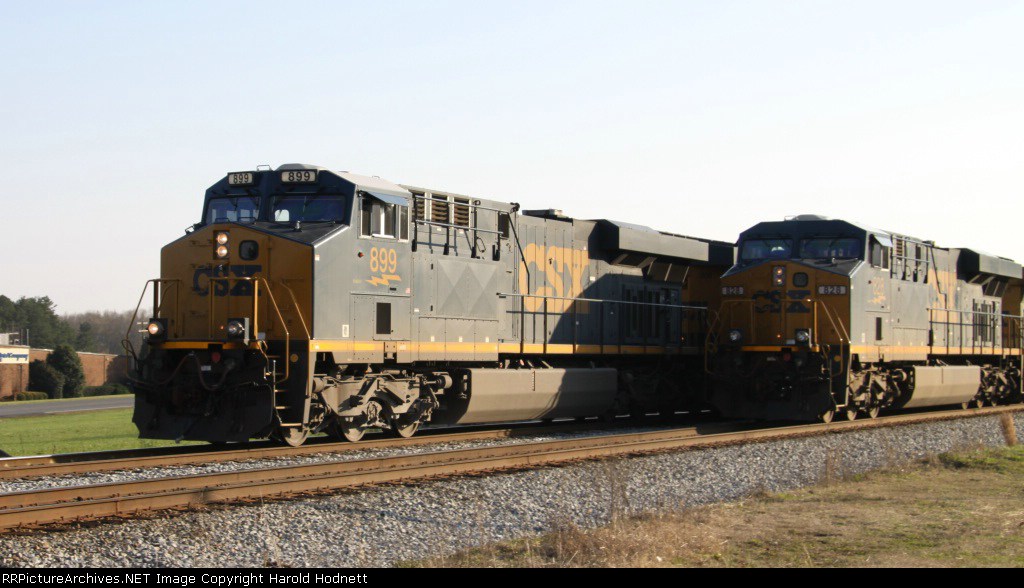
[(735, 336), (779, 276), (803, 336), (157, 329), (222, 251), (238, 329), (222, 238)]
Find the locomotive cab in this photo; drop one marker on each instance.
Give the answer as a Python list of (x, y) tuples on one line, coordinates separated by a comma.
[(781, 336), (825, 316)]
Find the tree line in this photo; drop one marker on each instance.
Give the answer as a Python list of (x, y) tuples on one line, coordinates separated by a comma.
[(37, 321), (61, 376)]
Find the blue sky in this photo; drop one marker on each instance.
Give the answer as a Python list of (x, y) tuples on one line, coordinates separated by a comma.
[(700, 118)]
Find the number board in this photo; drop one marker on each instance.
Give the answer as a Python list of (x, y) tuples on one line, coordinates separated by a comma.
[(241, 179), (832, 290), (299, 176)]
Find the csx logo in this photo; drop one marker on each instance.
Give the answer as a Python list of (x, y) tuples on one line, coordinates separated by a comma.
[(773, 302), (224, 287), (561, 271)]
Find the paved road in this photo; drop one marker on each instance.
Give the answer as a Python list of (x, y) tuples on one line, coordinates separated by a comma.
[(18, 409)]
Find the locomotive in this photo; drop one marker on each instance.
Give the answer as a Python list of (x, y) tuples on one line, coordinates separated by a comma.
[(825, 317), (308, 301)]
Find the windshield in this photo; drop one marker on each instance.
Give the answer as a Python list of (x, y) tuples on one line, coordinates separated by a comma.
[(760, 249), (830, 248), (233, 209), (311, 208)]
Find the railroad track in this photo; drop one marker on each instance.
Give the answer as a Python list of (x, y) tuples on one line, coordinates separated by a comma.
[(61, 505), (13, 468)]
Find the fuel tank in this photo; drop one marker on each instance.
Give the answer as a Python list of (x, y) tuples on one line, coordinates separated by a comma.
[(942, 386), (501, 395)]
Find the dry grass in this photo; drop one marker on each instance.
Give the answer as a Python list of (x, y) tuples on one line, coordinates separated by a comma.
[(1009, 429), (958, 510)]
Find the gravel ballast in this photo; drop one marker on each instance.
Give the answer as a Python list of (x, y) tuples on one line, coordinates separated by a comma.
[(381, 526), (132, 475)]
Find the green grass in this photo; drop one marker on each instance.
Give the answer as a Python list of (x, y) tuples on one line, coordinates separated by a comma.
[(99, 430), (79, 399)]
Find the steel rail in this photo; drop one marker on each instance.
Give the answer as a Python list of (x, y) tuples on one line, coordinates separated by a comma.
[(12, 468), (107, 500)]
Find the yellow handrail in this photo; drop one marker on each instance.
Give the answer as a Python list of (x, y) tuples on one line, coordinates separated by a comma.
[(730, 305), (162, 286), (256, 281)]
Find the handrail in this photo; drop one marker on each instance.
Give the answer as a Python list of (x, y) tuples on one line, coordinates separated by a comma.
[(256, 281), (684, 318), (837, 326), (993, 321), (157, 300), (157, 307), (295, 302), (287, 335), (526, 267), (597, 300)]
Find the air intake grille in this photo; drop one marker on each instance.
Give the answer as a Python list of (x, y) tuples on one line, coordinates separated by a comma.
[(461, 212)]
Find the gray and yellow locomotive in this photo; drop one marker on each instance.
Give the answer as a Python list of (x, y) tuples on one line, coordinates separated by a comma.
[(308, 300), (824, 316)]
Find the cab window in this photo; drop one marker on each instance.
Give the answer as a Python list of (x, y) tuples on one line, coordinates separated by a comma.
[(761, 249), (233, 209), (830, 248), (380, 219), (879, 254), (311, 208)]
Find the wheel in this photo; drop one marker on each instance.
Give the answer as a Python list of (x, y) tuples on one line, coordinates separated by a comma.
[(352, 434), (851, 414), (873, 412), (827, 416), (404, 431), (343, 431), (294, 436)]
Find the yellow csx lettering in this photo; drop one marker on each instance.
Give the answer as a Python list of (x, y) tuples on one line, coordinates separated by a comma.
[(562, 270), (383, 261)]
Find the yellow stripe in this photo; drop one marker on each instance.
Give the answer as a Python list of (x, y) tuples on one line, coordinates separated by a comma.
[(563, 349), (924, 350), (436, 347), (200, 345), (778, 348)]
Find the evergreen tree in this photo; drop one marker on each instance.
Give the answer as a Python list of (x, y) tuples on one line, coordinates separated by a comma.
[(46, 330), (66, 361), (43, 378)]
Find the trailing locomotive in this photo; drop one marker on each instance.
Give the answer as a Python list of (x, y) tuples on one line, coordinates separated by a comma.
[(823, 317), (307, 300)]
